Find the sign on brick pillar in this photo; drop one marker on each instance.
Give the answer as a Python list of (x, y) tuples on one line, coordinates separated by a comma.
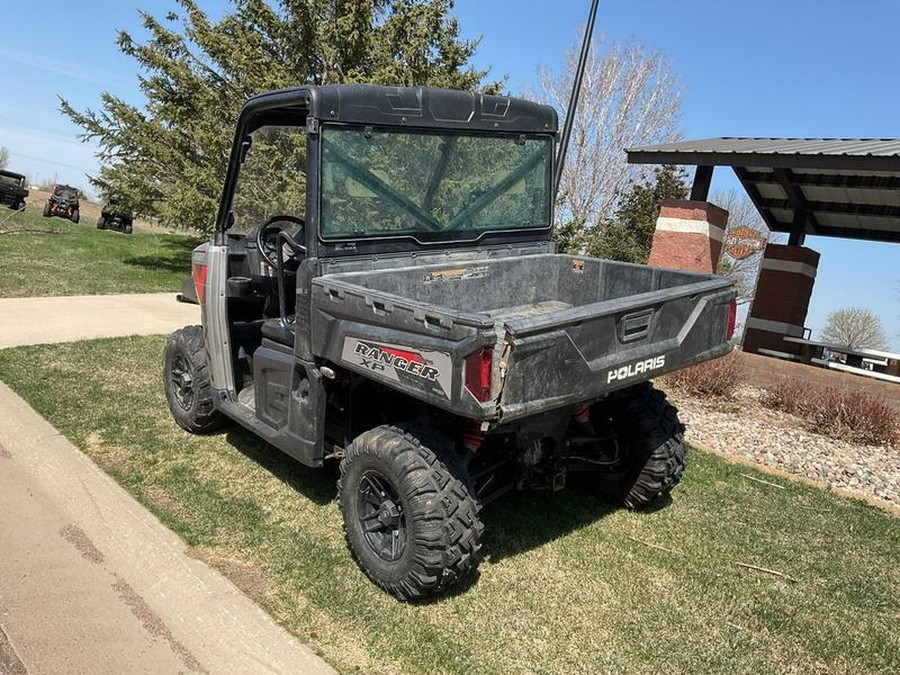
[(783, 291), (688, 236)]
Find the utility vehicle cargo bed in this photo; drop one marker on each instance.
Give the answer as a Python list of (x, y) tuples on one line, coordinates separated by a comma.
[(562, 329)]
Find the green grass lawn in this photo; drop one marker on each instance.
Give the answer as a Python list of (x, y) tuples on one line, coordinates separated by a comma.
[(68, 259), (567, 585)]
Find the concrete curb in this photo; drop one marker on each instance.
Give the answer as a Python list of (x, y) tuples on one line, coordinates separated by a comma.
[(95, 583)]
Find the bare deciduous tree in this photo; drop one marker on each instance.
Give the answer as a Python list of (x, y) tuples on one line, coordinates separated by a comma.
[(4, 157), (856, 328), (629, 97)]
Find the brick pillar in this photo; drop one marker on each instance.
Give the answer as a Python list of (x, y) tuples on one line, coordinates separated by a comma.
[(688, 236), (893, 367), (783, 290)]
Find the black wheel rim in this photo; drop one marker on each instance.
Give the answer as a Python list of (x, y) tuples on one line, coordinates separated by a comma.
[(182, 382), (381, 516)]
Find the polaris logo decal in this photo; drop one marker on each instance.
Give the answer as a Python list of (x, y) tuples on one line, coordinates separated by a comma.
[(431, 370), (633, 369)]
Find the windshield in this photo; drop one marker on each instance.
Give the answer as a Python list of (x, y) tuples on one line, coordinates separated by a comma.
[(432, 186), (9, 180)]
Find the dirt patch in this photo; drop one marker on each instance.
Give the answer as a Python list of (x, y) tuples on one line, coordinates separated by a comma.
[(111, 457), (76, 536), (154, 624), (4, 453), (247, 576), (159, 499)]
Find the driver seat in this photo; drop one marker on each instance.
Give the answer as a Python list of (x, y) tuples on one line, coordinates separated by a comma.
[(279, 331)]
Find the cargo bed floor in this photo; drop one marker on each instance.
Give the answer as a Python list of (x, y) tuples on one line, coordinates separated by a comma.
[(528, 311)]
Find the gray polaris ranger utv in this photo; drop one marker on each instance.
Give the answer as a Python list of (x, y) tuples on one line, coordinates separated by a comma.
[(382, 289)]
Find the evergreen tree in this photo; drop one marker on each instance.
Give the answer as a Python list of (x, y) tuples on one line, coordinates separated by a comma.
[(168, 158), (629, 235)]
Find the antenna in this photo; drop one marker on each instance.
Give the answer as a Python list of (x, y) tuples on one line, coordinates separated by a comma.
[(573, 99)]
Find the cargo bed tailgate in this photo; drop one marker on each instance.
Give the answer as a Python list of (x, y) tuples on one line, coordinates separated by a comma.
[(578, 353)]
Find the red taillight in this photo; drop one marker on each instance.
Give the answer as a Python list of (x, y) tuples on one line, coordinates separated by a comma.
[(732, 319), (478, 373), (199, 274)]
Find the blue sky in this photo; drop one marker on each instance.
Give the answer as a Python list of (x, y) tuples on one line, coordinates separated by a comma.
[(747, 67)]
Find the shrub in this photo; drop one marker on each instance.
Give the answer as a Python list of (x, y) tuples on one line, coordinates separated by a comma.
[(788, 395), (717, 378), (849, 415)]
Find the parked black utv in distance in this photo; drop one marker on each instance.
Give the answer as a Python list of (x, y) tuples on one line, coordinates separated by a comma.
[(63, 203), (12, 190), (115, 216)]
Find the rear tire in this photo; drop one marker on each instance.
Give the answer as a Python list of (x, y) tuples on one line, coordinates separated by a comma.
[(101, 223), (410, 520), (46, 211), (187, 383), (651, 441), (128, 228)]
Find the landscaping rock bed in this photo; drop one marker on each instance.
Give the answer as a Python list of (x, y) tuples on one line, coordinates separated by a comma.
[(744, 428)]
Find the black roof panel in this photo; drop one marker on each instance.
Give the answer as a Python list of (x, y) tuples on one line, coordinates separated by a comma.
[(422, 107)]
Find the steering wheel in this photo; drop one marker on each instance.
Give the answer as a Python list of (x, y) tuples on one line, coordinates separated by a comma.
[(267, 237)]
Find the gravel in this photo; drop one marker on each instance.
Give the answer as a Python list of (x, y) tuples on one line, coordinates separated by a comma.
[(744, 428)]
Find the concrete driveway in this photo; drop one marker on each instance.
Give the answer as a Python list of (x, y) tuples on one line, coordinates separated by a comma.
[(32, 321)]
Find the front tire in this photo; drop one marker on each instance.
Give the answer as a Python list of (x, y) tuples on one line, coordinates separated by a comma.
[(46, 211), (651, 441), (410, 520), (76, 216), (101, 223), (187, 383)]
